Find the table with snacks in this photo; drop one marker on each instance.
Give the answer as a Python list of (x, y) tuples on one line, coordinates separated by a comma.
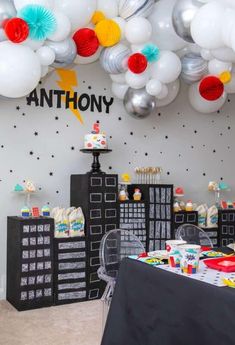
[(158, 304)]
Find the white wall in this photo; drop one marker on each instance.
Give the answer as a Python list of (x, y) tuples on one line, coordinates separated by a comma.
[(192, 148)]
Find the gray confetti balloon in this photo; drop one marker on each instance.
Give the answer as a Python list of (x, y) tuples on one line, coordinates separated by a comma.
[(65, 52), (114, 59), (138, 103), (194, 67), (182, 16), (135, 8), (7, 10)]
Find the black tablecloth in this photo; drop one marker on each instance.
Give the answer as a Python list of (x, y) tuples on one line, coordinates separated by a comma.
[(155, 307)]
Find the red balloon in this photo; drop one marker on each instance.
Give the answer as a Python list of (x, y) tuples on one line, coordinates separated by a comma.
[(137, 63), (16, 29), (86, 41), (211, 88)]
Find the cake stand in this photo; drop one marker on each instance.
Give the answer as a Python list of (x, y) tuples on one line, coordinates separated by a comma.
[(95, 167)]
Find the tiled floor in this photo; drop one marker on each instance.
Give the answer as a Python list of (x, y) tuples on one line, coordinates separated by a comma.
[(74, 324)]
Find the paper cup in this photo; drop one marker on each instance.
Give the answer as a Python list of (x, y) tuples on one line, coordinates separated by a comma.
[(173, 252), (189, 261)]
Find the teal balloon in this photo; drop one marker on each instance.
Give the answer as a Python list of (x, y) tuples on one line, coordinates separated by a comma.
[(194, 68), (114, 59)]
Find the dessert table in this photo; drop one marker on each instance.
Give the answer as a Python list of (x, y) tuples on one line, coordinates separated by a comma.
[(152, 306)]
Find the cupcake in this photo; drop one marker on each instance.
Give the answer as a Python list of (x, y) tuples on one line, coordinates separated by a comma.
[(189, 206), (137, 195), (122, 195), (46, 211), (176, 206), (25, 211)]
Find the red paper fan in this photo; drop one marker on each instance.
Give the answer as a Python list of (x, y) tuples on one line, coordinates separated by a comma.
[(86, 41), (137, 63), (16, 29), (211, 88)]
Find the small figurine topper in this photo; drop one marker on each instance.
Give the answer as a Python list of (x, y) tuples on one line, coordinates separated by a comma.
[(212, 186), (96, 128), (30, 187)]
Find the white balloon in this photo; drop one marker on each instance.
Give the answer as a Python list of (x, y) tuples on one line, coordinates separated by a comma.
[(154, 87), (44, 71), (46, 56), (137, 81), (206, 54), (118, 78), (63, 27), (119, 90), (164, 35), (163, 93), (20, 70), (173, 90), (79, 12), (80, 60), (202, 105), (223, 54), (34, 45), (167, 68), (230, 87), (228, 25), (216, 67), (21, 3), (233, 39), (138, 30), (122, 25), (206, 26), (108, 7), (3, 36)]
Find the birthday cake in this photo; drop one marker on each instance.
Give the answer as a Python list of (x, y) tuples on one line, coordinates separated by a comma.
[(95, 139)]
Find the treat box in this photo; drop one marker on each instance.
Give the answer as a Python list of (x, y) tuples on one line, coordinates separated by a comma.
[(226, 264)]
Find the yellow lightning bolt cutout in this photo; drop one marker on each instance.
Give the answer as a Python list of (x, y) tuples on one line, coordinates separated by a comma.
[(67, 83)]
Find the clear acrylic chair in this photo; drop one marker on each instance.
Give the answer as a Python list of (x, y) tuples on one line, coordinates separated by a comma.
[(193, 234), (115, 245)]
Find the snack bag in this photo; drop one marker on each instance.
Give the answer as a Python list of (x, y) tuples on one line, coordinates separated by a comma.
[(202, 213), (76, 223), (212, 217), (61, 224), (69, 211)]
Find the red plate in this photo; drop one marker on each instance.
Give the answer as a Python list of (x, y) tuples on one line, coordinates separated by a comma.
[(226, 264)]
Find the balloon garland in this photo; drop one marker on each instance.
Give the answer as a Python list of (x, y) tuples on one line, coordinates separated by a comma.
[(145, 46)]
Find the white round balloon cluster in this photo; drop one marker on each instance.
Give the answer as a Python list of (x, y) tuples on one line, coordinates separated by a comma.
[(146, 47)]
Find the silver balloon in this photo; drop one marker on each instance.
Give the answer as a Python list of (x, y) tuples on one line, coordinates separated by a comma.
[(129, 9), (65, 52), (114, 59), (182, 16), (138, 103), (194, 67), (7, 10)]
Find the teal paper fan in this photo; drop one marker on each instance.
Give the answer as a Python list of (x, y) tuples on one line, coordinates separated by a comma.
[(40, 20), (151, 52)]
